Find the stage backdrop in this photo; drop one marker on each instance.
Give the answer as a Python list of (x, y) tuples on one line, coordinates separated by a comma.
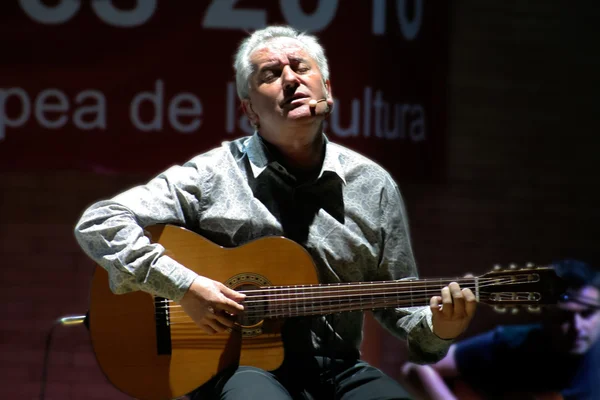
[(135, 86)]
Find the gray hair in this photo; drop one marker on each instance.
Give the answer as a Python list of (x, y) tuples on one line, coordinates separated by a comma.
[(244, 68)]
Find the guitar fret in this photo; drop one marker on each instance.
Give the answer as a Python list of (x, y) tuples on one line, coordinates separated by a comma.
[(278, 302), (372, 301), (348, 301), (300, 296), (268, 311), (286, 301), (308, 303), (273, 301), (298, 301), (360, 291), (330, 302), (290, 300)]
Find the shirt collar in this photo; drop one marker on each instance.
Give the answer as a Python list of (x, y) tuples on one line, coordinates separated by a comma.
[(332, 162), (257, 154), (259, 157)]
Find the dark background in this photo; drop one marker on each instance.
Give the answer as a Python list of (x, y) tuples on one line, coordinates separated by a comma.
[(518, 184)]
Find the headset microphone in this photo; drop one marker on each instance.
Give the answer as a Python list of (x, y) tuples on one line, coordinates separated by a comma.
[(313, 106), (313, 103)]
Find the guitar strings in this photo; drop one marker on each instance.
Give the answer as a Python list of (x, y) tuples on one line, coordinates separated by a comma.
[(326, 304), (343, 288), (381, 288), (335, 290), (299, 309), (326, 295), (185, 319), (417, 284)]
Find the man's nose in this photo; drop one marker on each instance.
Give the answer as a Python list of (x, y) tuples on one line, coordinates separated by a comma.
[(289, 79), (578, 321)]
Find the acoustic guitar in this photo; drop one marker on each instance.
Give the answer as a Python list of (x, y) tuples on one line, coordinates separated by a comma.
[(151, 350)]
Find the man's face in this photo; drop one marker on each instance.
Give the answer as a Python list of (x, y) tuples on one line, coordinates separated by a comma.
[(578, 321), (285, 79)]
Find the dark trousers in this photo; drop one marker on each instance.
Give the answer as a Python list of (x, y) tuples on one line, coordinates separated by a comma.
[(308, 379)]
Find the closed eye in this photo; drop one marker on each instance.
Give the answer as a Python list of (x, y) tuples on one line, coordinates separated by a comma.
[(269, 75), (588, 313)]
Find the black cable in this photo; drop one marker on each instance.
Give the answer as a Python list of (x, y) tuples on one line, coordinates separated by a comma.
[(329, 362), (68, 320), (335, 366), (46, 357), (326, 367), (331, 352)]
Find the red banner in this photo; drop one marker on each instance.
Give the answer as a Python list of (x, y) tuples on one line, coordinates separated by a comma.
[(136, 86)]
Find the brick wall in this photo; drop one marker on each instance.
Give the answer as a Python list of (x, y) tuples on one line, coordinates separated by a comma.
[(45, 276), (520, 186)]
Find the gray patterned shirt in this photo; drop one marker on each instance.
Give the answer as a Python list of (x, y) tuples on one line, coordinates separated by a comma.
[(351, 220)]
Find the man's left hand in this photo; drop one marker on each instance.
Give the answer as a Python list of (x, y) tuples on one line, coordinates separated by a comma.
[(452, 311)]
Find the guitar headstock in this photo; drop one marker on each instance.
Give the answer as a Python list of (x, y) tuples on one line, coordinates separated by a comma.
[(514, 287)]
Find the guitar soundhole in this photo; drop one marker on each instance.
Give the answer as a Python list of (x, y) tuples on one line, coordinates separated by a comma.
[(251, 320), (256, 308)]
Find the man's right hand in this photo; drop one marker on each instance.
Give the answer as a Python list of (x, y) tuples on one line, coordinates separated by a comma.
[(211, 305)]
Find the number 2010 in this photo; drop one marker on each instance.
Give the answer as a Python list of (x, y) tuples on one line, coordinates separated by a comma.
[(222, 14)]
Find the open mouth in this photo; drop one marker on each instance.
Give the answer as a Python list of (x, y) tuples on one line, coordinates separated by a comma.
[(297, 99)]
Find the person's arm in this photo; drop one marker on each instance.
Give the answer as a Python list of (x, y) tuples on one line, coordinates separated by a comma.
[(444, 379), (397, 262), (111, 232), (427, 382), (446, 367)]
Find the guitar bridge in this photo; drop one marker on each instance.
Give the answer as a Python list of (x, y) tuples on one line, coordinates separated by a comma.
[(163, 329)]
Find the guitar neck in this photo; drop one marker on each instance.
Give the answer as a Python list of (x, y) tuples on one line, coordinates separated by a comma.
[(320, 299), (530, 287)]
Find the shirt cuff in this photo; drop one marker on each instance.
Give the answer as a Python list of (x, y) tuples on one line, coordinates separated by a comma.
[(429, 320), (169, 279), (426, 347)]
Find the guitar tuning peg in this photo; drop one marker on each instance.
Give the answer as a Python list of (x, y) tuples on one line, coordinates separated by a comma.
[(529, 265), (497, 267), (514, 310), (512, 266), (534, 309), (500, 309)]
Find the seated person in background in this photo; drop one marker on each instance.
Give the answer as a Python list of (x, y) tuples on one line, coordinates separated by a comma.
[(559, 356)]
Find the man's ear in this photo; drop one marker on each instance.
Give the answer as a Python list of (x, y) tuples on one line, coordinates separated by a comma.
[(329, 96), (252, 116)]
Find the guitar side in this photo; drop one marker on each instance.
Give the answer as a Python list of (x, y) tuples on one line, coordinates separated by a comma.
[(124, 330)]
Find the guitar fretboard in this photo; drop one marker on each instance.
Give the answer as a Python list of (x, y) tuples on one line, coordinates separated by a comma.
[(304, 300)]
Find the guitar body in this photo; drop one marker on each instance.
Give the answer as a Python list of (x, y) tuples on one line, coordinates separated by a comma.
[(149, 362)]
